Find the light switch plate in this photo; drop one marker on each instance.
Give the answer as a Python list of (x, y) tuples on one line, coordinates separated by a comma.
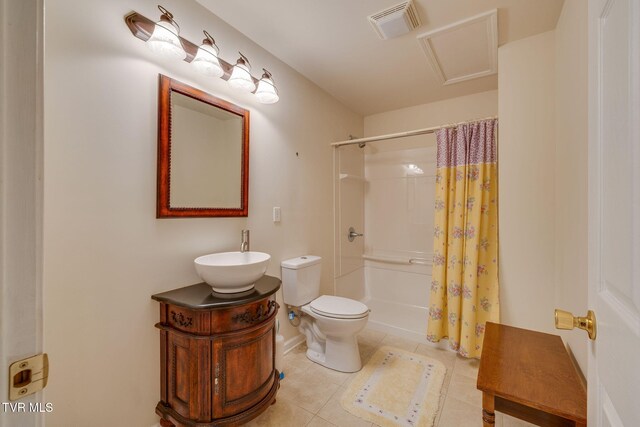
[(276, 214)]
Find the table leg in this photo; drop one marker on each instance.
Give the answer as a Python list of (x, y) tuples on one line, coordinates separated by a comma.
[(488, 414)]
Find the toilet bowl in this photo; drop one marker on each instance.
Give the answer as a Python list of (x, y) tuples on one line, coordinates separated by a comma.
[(329, 323), (338, 339)]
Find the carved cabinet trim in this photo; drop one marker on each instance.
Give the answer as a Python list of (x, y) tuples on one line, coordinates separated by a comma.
[(218, 365), (260, 314), (181, 320)]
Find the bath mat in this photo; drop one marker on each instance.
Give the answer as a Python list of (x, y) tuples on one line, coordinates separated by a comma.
[(396, 388)]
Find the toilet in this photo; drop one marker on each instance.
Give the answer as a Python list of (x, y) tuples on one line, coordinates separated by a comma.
[(330, 323)]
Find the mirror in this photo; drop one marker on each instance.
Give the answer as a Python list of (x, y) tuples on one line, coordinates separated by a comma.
[(203, 154)]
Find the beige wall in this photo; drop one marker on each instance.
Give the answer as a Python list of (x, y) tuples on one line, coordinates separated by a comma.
[(526, 87), (543, 176), (105, 253), (463, 108), (571, 169)]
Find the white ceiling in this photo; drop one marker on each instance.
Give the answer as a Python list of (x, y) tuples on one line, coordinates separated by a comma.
[(332, 43)]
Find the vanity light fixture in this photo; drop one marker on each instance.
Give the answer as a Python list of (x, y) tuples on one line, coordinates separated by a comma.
[(241, 75), (267, 92), (165, 39), (206, 60)]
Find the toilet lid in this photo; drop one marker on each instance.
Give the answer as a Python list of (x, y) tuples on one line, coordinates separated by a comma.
[(344, 308)]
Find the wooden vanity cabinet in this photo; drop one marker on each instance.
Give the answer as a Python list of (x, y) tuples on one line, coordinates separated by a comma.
[(217, 355)]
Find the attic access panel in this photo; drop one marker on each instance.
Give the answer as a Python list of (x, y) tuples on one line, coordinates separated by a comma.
[(464, 50)]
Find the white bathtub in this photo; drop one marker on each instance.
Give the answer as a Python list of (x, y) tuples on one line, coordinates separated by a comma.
[(398, 296)]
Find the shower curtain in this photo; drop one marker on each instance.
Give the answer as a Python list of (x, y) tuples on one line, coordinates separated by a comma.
[(464, 290)]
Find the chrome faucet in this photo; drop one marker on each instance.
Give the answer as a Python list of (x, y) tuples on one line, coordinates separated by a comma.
[(244, 245)]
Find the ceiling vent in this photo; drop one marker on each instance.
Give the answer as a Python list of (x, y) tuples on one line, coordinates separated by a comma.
[(396, 20)]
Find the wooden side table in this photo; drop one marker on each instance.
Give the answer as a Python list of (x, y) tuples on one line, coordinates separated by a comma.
[(529, 375)]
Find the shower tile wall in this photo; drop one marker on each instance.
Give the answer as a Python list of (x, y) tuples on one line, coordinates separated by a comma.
[(399, 202), (349, 199), (398, 205), (387, 191)]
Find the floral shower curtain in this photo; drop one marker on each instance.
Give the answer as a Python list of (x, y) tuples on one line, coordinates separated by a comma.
[(464, 290)]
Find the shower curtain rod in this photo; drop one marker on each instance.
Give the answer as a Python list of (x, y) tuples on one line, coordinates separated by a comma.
[(405, 134)]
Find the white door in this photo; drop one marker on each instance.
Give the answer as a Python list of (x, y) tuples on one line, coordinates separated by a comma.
[(21, 150), (614, 211)]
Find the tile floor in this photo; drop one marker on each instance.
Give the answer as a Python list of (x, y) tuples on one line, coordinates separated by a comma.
[(310, 394)]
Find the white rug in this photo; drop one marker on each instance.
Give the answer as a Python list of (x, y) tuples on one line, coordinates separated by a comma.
[(396, 388)]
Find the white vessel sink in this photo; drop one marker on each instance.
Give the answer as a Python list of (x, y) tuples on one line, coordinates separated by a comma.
[(229, 272)]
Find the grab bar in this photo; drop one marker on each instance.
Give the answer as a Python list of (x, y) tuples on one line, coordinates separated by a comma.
[(388, 260)]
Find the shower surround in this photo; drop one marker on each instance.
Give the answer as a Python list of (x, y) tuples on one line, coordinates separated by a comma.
[(387, 190)]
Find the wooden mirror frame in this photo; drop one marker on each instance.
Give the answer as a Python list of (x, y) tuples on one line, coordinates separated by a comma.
[(163, 206)]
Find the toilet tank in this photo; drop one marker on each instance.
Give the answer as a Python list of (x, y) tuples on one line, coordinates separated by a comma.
[(301, 279)]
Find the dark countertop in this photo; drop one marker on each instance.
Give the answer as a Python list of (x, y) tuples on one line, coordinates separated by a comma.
[(201, 297)]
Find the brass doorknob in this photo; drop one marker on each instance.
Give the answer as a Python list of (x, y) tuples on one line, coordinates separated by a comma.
[(566, 320)]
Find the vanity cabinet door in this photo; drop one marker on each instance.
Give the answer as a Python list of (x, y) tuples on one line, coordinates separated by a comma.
[(244, 370), (189, 367)]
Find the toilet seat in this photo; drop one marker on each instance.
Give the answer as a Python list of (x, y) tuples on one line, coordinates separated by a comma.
[(338, 307)]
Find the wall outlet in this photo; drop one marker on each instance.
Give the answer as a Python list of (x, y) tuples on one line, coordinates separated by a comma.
[(276, 214)]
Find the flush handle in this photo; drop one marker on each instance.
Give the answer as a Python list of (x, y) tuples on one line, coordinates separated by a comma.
[(566, 320), (352, 234)]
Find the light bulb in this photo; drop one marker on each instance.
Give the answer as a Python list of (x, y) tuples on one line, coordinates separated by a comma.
[(206, 59), (164, 41), (267, 92), (241, 76)]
